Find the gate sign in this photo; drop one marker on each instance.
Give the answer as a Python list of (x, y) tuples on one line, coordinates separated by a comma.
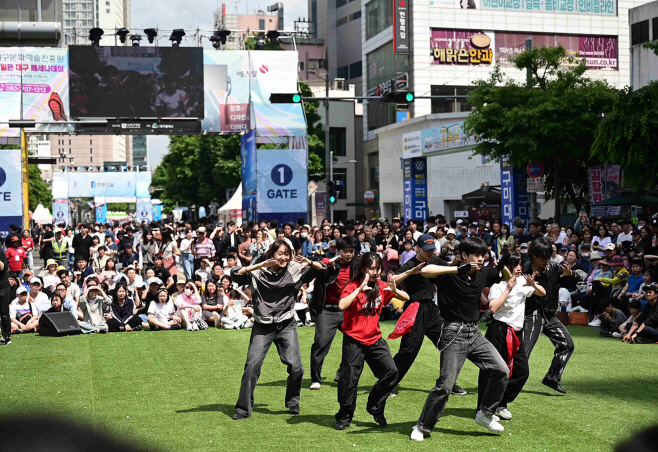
[(415, 189), (282, 181), (535, 169), (144, 210)]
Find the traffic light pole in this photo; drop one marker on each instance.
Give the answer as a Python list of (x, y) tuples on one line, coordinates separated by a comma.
[(329, 166)]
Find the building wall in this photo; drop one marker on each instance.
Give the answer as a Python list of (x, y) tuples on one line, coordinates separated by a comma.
[(644, 63), (139, 150), (90, 150)]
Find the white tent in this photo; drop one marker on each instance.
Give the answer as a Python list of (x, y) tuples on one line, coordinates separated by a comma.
[(42, 215), (235, 204)]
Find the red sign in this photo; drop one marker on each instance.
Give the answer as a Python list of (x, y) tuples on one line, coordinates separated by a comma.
[(535, 169)]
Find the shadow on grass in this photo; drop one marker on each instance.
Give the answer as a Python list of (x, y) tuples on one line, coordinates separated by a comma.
[(545, 394), (229, 410)]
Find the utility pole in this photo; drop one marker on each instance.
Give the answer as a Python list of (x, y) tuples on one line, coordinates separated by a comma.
[(328, 154), (533, 196)]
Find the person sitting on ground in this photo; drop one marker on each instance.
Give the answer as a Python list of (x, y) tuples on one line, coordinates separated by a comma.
[(604, 287), (231, 262), (233, 314), (203, 273), (161, 272), (645, 328), (217, 272), (39, 298), (635, 309), (93, 304), (180, 287), (189, 308), (611, 319), (50, 280), (162, 313), (633, 284), (109, 273), (99, 261), (129, 258), (122, 315), (23, 313), (301, 307), (65, 303), (84, 269), (212, 303), (133, 278)]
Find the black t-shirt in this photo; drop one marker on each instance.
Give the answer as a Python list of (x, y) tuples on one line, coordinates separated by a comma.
[(163, 274), (459, 295), (146, 302), (417, 286), (295, 242), (48, 245)]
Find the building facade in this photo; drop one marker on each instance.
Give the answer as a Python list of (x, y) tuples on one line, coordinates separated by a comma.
[(139, 150), (643, 21), (80, 16)]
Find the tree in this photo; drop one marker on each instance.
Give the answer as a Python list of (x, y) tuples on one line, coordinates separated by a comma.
[(552, 121), (316, 149), (39, 191), (627, 135)]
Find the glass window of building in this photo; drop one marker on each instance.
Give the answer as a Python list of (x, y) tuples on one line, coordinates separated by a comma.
[(379, 16), (450, 104)]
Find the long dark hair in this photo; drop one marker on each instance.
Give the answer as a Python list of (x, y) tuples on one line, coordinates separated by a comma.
[(366, 261)]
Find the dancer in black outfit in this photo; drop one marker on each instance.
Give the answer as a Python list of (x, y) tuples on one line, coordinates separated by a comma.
[(5, 299)]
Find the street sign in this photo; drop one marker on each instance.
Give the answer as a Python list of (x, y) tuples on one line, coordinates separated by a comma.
[(535, 184), (535, 169), (461, 214)]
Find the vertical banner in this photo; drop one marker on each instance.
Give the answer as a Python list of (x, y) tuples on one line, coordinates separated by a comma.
[(25, 177), (282, 182), (514, 197), (249, 183), (612, 187), (596, 176), (11, 189), (400, 24), (61, 212), (320, 207), (144, 210), (101, 213), (415, 188), (157, 212)]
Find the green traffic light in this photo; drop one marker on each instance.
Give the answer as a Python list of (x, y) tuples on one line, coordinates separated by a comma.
[(410, 97), (332, 199), (296, 98)]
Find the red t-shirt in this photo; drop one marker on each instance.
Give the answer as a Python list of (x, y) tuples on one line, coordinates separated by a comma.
[(15, 257), (335, 289), (357, 323), (28, 243)]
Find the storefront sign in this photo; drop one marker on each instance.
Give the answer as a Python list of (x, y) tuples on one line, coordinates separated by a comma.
[(400, 25), (467, 47), (595, 7), (411, 145), (604, 182), (415, 189)]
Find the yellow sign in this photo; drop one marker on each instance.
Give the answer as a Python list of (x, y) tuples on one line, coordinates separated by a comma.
[(26, 195), (463, 56)]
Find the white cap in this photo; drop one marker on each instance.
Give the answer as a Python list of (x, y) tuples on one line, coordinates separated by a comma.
[(21, 290), (35, 280), (202, 229), (154, 280), (451, 231)]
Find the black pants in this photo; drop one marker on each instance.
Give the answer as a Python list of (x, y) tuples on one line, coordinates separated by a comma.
[(497, 335), (326, 325), (5, 300), (379, 359), (114, 326), (428, 323), (534, 325)]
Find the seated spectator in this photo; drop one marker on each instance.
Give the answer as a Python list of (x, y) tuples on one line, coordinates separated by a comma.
[(365, 246), (189, 308), (129, 257), (645, 328), (212, 303), (633, 284), (180, 287), (635, 310), (142, 300), (98, 262), (23, 313), (231, 261), (233, 315), (39, 298), (611, 319), (408, 252), (583, 260), (202, 274), (133, 278), (161, 272), (650, 278), (226, 285), (217, 272), (556, 256), (84, 269), (122, 316), (50, 280), (59, 303), (333, 251), (109, 274), (93, 304), (301, 306), (582, 299), (162, 313), (149, 273)]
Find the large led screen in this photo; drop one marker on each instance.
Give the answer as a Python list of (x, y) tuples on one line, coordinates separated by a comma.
[(136, 82)]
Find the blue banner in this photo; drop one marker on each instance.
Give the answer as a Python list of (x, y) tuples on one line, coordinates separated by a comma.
[(415, 189), (144, 210), (249, 183), (515, 201), (61, 212), (157, 212), (11, 194), (101, 213), (282, 183)]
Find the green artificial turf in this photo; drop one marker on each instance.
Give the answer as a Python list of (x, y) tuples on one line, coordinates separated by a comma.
[(177, 391)]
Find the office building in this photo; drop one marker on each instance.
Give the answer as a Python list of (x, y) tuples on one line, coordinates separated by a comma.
[(139, 150), (258, 20), (643, 21)]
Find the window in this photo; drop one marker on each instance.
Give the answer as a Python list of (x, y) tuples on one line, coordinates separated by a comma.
[(655, 27), (381, 65), (91, 160), (314, 17), (261, 24), (343, 72), (301, 65), (91, 151), (91, 142), (356, 15), (379, 16), (340, 177), (356, 69), (69, 150), (340, 3), (373, 171), (338, 141), (69, 142), (639, 32), (450, 105), (341, 22)]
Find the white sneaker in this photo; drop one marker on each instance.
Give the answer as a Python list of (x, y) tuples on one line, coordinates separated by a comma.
[(578, 309), (228, 326), (391, 395), (195, 327), (416, 434), (616, 335), (190, 327), (488, 422), (504, 413), (315, 386), (595, 323)]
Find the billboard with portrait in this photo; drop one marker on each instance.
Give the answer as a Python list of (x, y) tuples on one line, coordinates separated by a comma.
[(134, 82)]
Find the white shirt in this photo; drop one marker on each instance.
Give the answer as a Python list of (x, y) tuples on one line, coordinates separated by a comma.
[(175, 102), (512, 312), (161, 311), (416, 235), (623, 237), (42, 302), (186, 246)]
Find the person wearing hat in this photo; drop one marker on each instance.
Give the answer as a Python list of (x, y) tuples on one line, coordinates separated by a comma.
[(645, 328), (93, 304), (39, 298), (603, 287), (60, 248), (23, 313), (449, 250), (204, 248), (27, 276), (482, 232), (626, 234), (5, 299), (16, 254)]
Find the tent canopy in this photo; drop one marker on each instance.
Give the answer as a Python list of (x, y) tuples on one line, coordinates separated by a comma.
[(625, 199), (235, 203), (42, 215)]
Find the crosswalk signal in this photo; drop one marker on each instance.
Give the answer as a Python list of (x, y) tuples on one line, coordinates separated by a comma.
[(287, 98), (332, 193), (399, 97)]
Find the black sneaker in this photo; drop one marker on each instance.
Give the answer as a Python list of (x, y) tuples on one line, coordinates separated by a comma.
[(5, 341), (294, 409), (175, 327), (456, 390), (138, 328), (342, 425), (554, 385), (240, 417), (380, 419)]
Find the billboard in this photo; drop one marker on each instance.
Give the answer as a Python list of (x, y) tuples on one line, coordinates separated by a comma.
[(415, 189), (144, 210), (604, 182), (11, 190), (462, 47), (282, 182), (592, 7), (249, 183), (515, 201), (101, 213), (92, 184), (43, 75), (136, 82), (226, 91), (445, 138), (411, 145)]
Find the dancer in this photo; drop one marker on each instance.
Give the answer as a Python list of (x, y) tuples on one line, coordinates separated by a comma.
[(362, 301), (328, 288), (459, 292), (507, 303), (274, 283), (540, 312), (422, 316)]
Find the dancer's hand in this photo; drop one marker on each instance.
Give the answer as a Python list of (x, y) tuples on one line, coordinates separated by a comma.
[(364, 285), (332, 261), (530, 279), (416, 269), (391, 286), (511, 283)]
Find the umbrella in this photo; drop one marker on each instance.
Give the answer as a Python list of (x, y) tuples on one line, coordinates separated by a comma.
[(625, 199)]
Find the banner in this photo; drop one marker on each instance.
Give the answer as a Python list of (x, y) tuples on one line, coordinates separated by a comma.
[(444, 138), (226, 91), (515, 201), (157, 212), (11, 189), (604, 182), (462, 47), (592, 7), (43, 75), (144, 210), (415, 189), (249, 182), (101, 213), (282, 183), (400, 27), (93, 184), (61, 212), (411, 145)]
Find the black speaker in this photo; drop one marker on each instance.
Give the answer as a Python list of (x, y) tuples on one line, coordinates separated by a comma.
[(58, 324)]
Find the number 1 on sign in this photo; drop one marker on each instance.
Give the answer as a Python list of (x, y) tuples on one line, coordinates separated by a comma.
[(282, 176)]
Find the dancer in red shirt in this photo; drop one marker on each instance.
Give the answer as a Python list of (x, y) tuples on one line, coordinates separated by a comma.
[(362, 301)]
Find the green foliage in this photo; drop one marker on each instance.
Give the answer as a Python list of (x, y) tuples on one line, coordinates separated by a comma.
[(121, 207), (553, 123), (39, 191), (627, 136), (250, 44), (316, 148), (651, 45)]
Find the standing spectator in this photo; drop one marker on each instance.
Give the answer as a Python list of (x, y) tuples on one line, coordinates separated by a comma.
[(203, 247), (231, 238), (111, 247), (23, 313), (93, 251), (5, 300), (47, 242), (71, 251), (129, 258), (482, 232), (147, 249), (243, 250), (28, 245), (260, 246), (187, 254), (169, 250), (504, 238), (408, 252), (16, 255), (60, 248), (82, 243)]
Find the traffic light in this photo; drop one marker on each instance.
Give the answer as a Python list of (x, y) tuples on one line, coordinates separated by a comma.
[(332, 193), (398, 97), (289, 98)]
